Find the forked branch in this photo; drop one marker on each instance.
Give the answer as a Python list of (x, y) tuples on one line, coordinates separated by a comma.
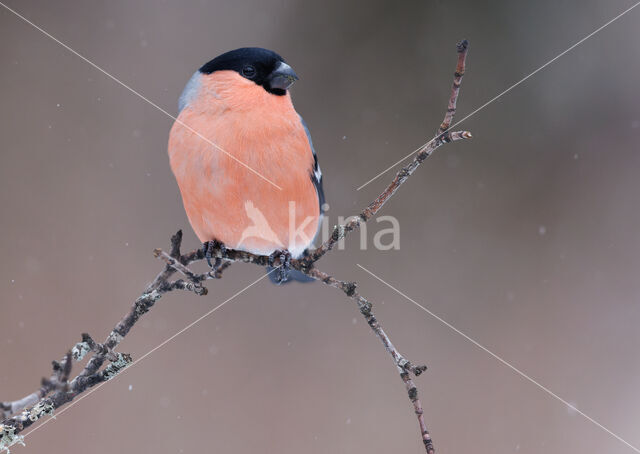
[(59, 389)]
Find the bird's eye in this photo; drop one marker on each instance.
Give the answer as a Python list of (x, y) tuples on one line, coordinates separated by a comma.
[(249, 71)]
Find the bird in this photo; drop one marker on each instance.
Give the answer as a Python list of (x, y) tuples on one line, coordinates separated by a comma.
[(244, 160)]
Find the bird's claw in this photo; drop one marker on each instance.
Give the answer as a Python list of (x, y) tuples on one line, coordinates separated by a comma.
[(208, 247), (282, 272)]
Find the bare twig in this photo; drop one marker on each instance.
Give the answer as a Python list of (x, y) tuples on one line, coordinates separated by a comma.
[(58, 390), (444, 136), (455, 89), (405, 367), (349, 289)]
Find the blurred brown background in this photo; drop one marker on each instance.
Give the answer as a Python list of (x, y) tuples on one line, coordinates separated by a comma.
[(525, 238)]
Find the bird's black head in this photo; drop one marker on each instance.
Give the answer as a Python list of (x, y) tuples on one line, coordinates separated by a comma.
[(262, 66)]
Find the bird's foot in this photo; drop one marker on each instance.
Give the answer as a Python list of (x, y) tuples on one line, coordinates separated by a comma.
[(208, 247), (281, 273)]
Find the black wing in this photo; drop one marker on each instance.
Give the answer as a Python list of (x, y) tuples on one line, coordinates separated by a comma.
[(316, 173)]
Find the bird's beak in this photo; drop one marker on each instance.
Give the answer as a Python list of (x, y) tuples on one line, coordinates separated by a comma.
[(282, 77)]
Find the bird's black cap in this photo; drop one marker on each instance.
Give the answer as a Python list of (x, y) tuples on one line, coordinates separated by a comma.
[(262, 66)]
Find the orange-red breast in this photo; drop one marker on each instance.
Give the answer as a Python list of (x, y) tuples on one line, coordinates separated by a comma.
[(243, 157)]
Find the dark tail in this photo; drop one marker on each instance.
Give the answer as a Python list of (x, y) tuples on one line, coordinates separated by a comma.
[(293, 275)]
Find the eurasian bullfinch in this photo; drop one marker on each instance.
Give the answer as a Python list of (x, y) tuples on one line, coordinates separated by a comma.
[(243, 157)]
